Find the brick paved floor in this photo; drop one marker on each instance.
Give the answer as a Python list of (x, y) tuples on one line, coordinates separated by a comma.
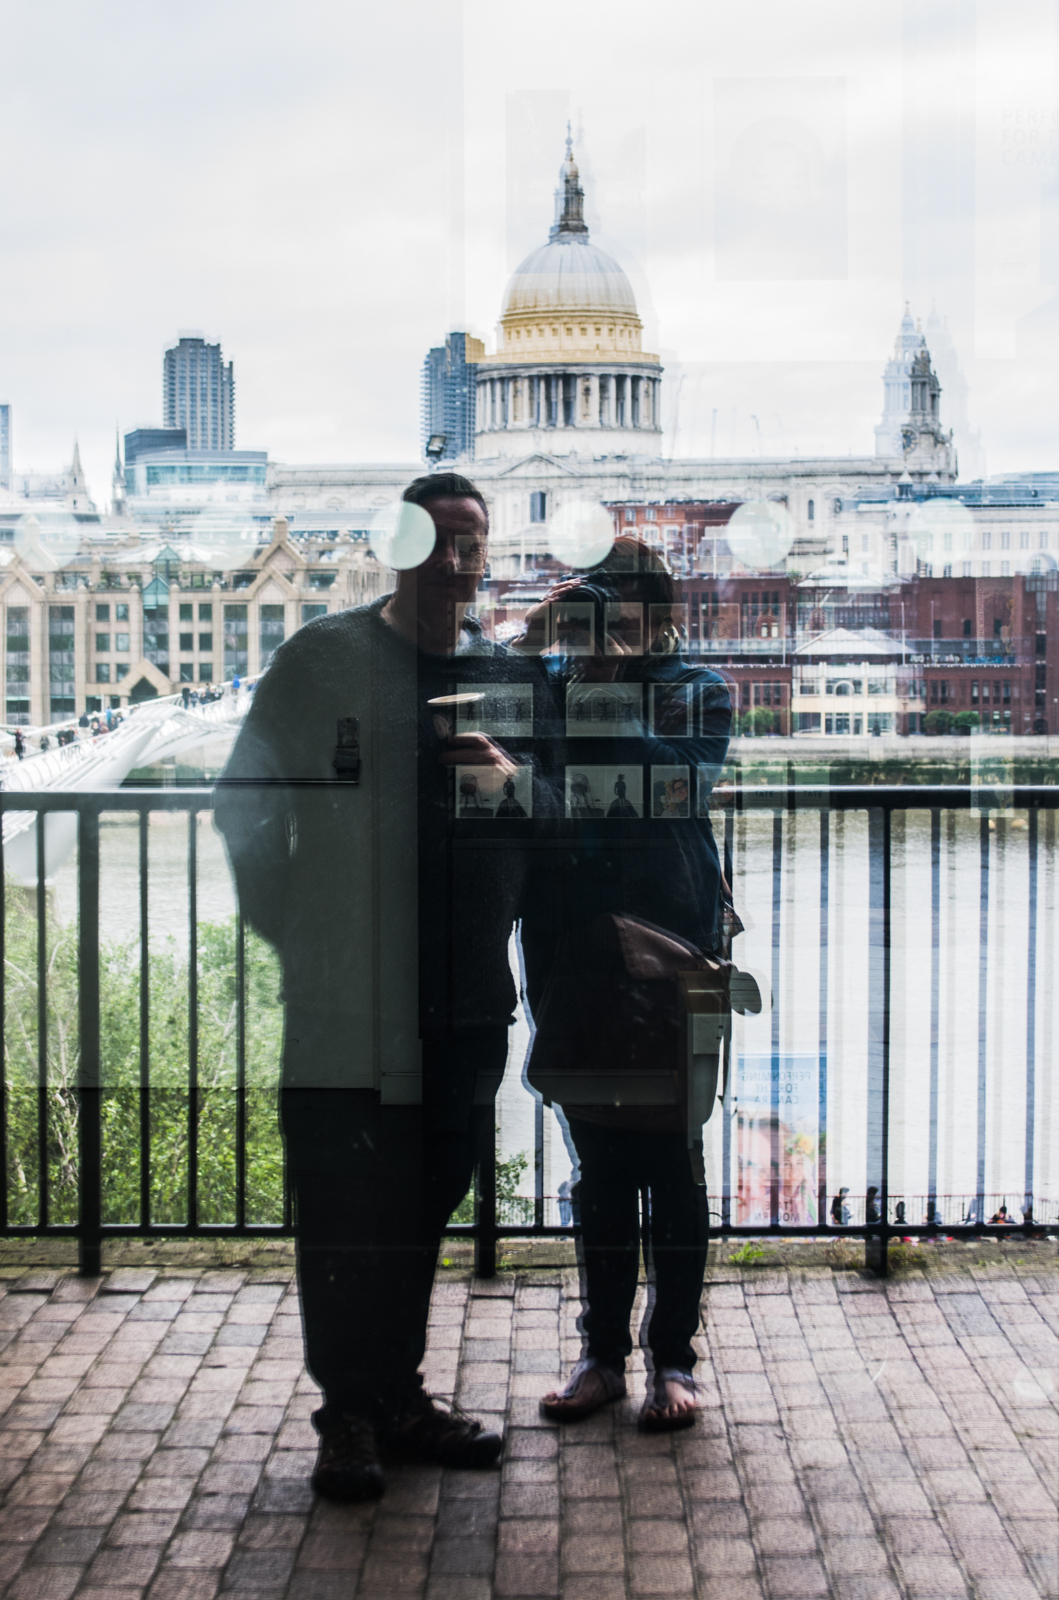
[(858, 1440)]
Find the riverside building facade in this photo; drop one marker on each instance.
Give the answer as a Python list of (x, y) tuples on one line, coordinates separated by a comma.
[(190, 579)]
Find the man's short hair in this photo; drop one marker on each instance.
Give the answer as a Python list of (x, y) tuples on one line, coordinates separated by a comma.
[(444, 485)]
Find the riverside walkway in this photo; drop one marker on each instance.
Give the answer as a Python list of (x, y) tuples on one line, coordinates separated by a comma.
[(858, 1439)]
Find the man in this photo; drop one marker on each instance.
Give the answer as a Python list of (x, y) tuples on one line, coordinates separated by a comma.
[(391, 915)]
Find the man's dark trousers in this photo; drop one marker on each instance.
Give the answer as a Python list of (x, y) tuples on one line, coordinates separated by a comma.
[(374, 1186)]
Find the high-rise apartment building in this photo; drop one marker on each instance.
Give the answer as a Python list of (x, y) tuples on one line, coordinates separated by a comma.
[(198, 394), (449, 391), (5, 447)]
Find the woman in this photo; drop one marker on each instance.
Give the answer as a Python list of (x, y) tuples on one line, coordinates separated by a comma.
[(664, 870)]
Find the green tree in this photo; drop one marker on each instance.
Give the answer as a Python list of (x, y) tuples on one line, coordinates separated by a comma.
[(48, 1101), (938, 722), (759, 722), (965, 721)]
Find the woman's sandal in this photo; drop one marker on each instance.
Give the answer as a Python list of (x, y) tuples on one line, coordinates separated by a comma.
[(590, 1388), (656, 1416)]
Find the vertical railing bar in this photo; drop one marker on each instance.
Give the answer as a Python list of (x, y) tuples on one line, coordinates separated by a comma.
[(538, 1161), (240, 1071), (193, 1024), (1031, 1019), (538, 1102), (3, 1023), (878, 1132), (42, 1030), (983, 1009), (822, 1037), (774, 1118), (729, 1061), (145, 1028), (485, 1203), (884, 1199), (90, 1163), (935, 1007)]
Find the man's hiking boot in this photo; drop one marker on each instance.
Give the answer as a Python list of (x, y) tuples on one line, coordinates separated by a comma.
[(348, 1466), (425, 1430)]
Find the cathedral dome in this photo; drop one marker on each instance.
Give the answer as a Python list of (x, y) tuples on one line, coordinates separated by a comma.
[(569, 300), (569, 275), (569, 373)]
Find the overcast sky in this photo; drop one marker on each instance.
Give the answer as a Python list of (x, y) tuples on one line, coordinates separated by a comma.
[(327, 187)]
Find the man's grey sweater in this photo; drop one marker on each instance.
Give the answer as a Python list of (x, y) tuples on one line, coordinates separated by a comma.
[(368, 889)]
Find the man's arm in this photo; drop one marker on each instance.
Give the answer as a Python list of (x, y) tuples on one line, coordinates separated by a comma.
[(254, 801)]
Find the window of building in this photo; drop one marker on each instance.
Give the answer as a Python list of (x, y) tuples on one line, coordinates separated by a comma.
[(187, 672), (937, 629), (651, 513), (187, 613), (121, 671), (205, 611), (187, 641), (880, 722), (966, 569), (121, 613), (968, 627), (272, 631), (811, 511), (538, 505), (103, 613), (1005, 569), (1043, 541), (630, 514), (947, 541), (61, 660), (103, 643), (236, 642), (974, 691), (987, 539), (16, 666), (310, 611), (121, 643), (1024, 539), (102, 671), (205, 671), (986, 569), (205, 641), (156, 637), (807, 722)]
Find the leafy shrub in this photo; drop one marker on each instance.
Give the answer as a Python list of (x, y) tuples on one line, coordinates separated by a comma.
[(51, 1098)]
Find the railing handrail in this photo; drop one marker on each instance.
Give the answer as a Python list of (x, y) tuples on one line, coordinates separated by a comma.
[(776, 796)]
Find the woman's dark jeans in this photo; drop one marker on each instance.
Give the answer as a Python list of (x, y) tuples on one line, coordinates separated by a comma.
[(616, 1165)]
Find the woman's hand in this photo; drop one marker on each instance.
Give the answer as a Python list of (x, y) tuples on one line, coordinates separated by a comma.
[(533, 640), (476, 750)]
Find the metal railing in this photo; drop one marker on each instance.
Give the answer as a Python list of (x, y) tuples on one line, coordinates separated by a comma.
[(876, 1214)]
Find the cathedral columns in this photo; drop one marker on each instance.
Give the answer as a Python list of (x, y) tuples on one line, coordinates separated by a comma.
[(592, 420)]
